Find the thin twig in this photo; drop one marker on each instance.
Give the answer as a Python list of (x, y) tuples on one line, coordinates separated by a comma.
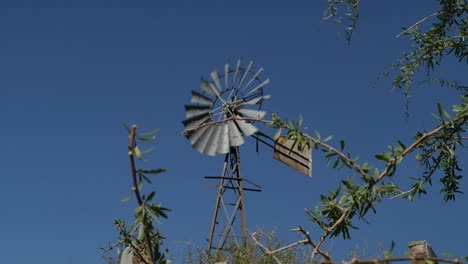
[(264, 248), (310, 242), (417, 23)]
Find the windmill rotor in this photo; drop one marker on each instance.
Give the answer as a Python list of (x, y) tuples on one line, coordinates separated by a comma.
[(224, 111)]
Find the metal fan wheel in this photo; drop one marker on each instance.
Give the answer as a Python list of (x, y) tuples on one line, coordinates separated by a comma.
[(224, 111)]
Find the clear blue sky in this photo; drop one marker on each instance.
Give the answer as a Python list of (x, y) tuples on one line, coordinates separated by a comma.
[(71, 72)]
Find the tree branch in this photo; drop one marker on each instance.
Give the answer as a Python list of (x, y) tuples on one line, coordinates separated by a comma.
[(131, 147), (417, 23), (264, 248)]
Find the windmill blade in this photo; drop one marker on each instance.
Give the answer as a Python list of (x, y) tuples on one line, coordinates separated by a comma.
[(226, 76), (215, 77), (210, 148), (198, 98), (223, 141), (209, 88), (253, 113), (265, 82), (204, 139), (246, 128), (236, 72), (235, 137), (246, 71), (257, 100), (195, 121), (195, 135), (196, 110), (253, 78)]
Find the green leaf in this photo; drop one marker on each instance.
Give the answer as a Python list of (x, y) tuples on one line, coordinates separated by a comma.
[(401, 145), (317, 135), (129, 130), (147, 151), (336, 163), (150, 196), (153, 171), (145, 138), (278, 133), (328, 138), (149, 133), (126, 199), (442, 111), (144, 178), (342, 144)]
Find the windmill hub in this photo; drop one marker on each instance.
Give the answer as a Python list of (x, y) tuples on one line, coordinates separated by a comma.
[(231, 108)]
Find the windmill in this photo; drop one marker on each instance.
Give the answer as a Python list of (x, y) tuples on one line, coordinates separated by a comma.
[(217, 120)]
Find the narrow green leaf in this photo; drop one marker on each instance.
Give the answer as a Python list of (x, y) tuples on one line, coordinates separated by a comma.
[(126, 199), (336, 163), (147, 151), (153, 171), (278, 133), (317, 135), (149, 133), (342, 144), (129, 130), (144, 178), (401, 145), (328, 138), (150, 196), (145, 138)]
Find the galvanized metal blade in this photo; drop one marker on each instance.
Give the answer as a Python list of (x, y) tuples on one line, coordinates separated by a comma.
[(210, 148), (252, 113), (226, 76), (257, 100), (204, 139), (246, 128), (245, 73), (215, 77), (236, 72), (265, 82), (196, 110), (209, 88), (253, 78), (195, 135), (198, 98), (195, 121), (235, 137), (223, 142)]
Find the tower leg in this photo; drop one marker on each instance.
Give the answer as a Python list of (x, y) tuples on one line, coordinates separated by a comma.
[(230, 201)]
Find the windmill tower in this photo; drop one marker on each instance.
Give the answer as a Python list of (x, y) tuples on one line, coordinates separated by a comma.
[(217, 120)]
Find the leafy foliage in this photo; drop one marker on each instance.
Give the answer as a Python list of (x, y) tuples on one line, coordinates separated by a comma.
[(141, 238), (359, 194)]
